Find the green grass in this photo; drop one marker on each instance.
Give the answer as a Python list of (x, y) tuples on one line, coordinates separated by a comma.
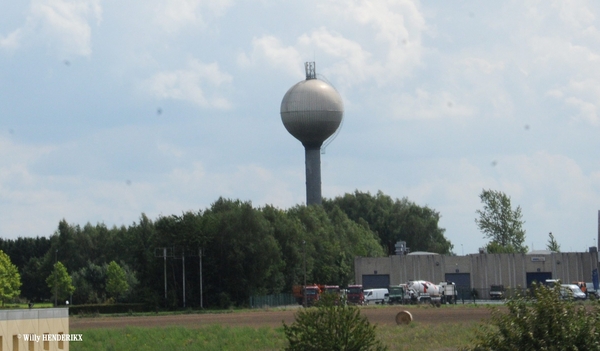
[(430, 337), (208, 338), (24, 305), (415, 336)]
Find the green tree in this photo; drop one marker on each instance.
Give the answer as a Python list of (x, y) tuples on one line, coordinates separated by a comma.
[(116, 280), (243, 258), (500, 223), (552, 243), (334, 327), (60, 282), (394, 220), (10, 279), (33, 276), (542, 321)]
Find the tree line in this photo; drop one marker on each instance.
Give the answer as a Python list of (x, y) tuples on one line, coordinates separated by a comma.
[(243, 251)]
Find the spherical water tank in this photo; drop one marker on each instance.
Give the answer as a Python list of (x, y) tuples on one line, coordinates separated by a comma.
[(312, 111)]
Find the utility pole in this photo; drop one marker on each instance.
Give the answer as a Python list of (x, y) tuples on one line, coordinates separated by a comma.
[(183, 264), (180, 253), (55, 283), (165, 269), (304, 288), (166, 252), (200, 256)]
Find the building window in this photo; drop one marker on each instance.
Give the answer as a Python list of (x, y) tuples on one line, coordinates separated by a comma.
[(61, 344), (46, 342), (30, 345), (15, 343)]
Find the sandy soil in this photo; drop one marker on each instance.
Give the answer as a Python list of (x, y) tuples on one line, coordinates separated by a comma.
[(381, 316)]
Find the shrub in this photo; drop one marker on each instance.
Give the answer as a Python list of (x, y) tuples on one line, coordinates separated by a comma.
[(541, 321), (331, 326), (83, 310)]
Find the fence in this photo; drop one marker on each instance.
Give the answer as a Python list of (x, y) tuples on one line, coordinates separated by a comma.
[(272, 300), (466, 294)]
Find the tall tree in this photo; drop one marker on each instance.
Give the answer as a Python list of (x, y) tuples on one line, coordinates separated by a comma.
[(500, 223), (10, 279), (116, 280), (60, 282), (552, 243), (243, 257), (395, 220)]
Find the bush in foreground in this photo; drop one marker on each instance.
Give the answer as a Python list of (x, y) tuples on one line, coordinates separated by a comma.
[(334, 326), (542, 321)]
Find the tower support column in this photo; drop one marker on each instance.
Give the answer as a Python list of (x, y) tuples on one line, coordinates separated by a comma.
[(313, 174)]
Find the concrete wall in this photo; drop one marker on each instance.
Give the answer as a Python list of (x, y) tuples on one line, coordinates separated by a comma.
[(16, 323), (484, 269)]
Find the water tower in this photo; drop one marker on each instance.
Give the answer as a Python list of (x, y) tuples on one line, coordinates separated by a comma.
[(312, 111)]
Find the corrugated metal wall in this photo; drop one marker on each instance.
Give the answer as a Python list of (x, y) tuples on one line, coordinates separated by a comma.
[(509, 270)]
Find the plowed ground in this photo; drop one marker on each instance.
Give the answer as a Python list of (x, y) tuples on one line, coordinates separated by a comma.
[(274, 318)]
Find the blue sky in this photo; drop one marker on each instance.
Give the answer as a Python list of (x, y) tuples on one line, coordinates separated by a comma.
[(112, 109)]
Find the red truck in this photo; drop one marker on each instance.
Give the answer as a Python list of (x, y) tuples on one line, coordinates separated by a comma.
[(313, 294), (356, 295)]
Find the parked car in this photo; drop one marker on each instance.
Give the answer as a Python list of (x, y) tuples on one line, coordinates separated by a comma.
[(572, 291), (497, 292)]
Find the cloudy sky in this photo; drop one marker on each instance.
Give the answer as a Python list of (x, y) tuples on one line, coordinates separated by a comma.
[(110, 109)]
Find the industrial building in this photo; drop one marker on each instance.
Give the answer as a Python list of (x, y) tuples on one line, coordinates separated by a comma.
[(477, 271)]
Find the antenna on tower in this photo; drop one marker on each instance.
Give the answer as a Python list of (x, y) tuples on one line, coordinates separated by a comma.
[(311, 70)]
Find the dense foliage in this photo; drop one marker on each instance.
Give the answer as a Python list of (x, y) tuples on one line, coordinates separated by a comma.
[(395, 220), (245, 251), (332, 326), (10, 279), (541, 321), (60, 283), (116, 280), (500, 223)]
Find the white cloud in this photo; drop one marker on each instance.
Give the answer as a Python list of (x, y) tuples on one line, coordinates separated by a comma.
[(583, 96), (351, 61), (574, 13), (11, 42), (199, 83), (62, 25), (423, 104), (396, 22), (390, 50), (397, 26), (553, 191), (270, 50), (483, 65), (173, 15), (16, 160), (244, 182)]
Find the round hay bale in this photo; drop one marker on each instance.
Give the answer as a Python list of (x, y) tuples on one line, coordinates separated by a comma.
[(403, 317)]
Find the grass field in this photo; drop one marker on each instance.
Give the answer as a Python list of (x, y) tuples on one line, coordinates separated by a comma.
[(24, 305), (446, 337), (180, 338)]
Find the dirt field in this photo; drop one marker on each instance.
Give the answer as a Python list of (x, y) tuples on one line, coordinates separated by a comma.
[(380, 316)]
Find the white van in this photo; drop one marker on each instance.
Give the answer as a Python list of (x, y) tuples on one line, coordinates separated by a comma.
[(571, 291), (380, 296)]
